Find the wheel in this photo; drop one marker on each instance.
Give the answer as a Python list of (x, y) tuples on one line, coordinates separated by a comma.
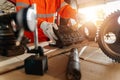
[(109, 36), (89, 30)]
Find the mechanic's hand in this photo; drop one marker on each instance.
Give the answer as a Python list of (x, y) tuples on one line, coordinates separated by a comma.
[(47, 28)]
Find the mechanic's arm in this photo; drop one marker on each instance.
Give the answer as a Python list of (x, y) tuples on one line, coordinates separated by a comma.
[(67, 12), (22, 4)]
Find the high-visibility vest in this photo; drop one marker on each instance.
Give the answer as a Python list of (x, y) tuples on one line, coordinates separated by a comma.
[(46, 11)]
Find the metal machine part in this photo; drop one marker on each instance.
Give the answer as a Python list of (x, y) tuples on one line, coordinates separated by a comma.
[(8, 42), (25, 19), (67, 36), (109, 36), (9, 37), (73, 67)]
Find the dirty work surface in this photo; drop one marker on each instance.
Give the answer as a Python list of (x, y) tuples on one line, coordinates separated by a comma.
[(94, 65), (89, 51)]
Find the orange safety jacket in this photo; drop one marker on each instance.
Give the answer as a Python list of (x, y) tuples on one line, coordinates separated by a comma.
[(46, 11)]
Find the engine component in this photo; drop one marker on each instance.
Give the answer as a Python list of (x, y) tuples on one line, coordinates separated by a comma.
[(8, 41), (73, 67), (109, 36), (67, 36), (7, 37), (24, 19)]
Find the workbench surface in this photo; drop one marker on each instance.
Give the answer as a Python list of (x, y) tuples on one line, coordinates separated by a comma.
[(94, 65)]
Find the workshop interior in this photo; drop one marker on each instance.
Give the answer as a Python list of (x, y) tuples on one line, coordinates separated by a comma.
[(88, 49)]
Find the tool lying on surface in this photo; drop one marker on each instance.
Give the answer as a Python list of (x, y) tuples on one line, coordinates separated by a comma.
[(73, 67)]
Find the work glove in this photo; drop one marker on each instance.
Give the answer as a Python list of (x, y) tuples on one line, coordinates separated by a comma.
[(47, 28)]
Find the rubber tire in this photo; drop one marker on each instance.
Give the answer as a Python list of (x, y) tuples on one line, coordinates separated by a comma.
[(110, 24)]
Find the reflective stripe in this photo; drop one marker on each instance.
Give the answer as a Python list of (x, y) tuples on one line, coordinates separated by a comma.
[(46, 15), (62, 5), (21, 4)]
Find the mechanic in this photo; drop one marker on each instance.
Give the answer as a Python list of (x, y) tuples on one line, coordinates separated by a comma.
[(46, 14)]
